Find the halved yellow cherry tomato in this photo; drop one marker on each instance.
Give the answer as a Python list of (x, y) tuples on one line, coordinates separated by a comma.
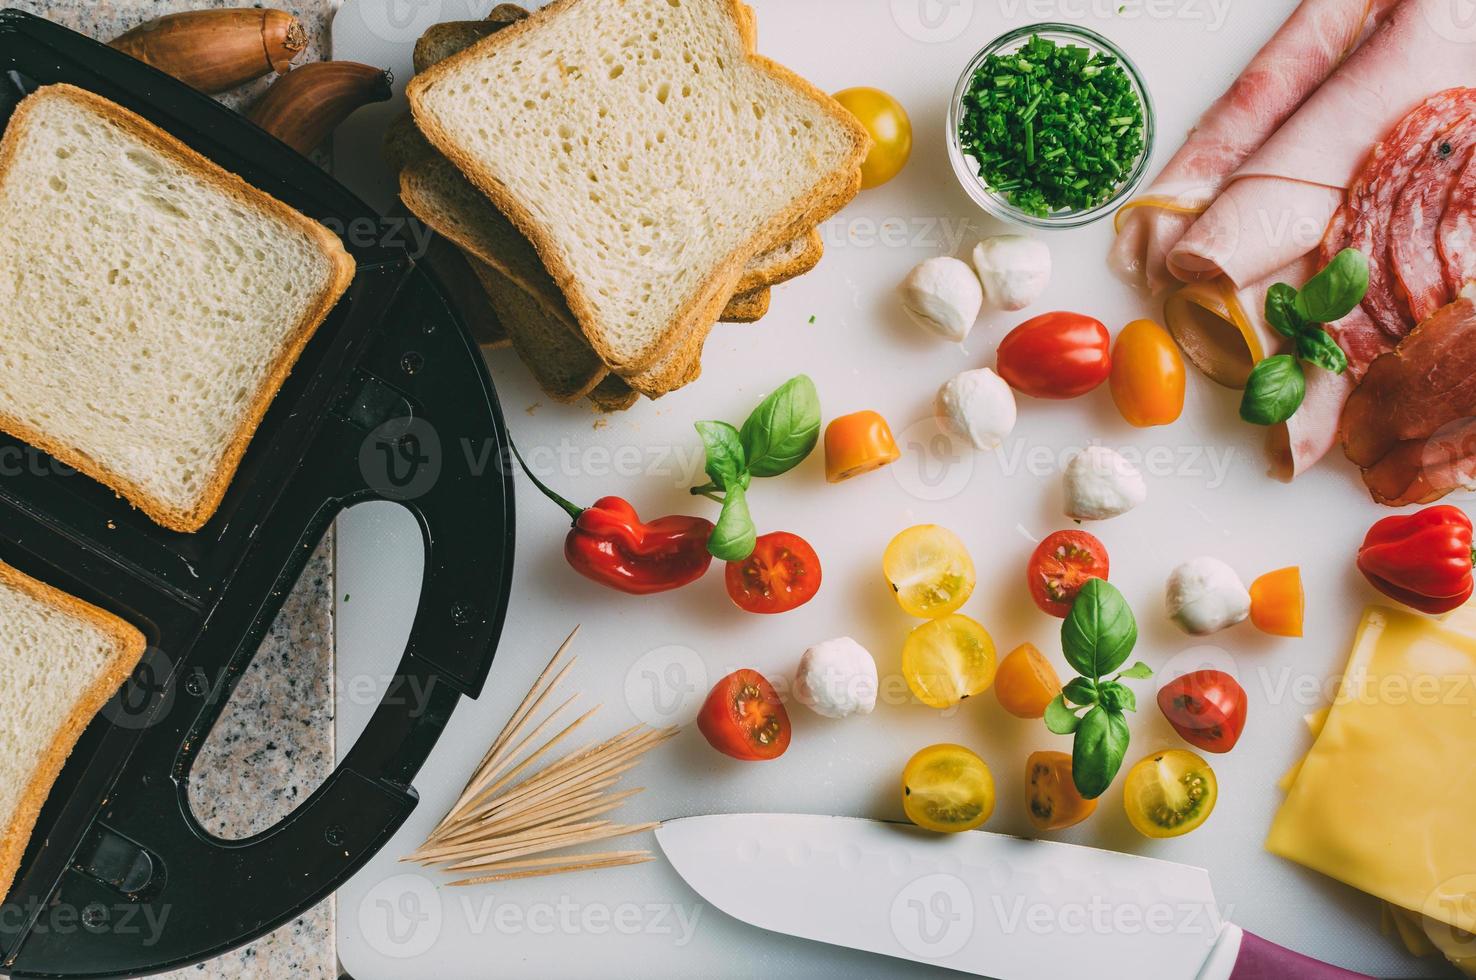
[(947, 660), (1278, 602), (1169, 793), (947, 788), (1026, 682), (858, 443), (930, 571), (1054, 803), (1147, 379), (890, 129)]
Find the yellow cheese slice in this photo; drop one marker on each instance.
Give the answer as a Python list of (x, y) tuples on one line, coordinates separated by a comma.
[(1384, 799)]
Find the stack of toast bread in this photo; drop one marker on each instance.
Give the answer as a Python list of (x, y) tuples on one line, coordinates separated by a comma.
[(618, 175)]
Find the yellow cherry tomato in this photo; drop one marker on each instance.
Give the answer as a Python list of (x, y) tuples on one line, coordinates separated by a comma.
[(858, 443), (947, 788), (1054, 801), (930, 571), (890, 129), (1147, 379), (1278, 602), (947, 660), (1026, 682), (1169, 793)]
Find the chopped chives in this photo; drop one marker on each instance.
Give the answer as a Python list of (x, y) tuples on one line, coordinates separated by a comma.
[(1053, 126)]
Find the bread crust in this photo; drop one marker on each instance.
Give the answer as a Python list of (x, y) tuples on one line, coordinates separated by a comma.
[(129, 645), (497, 286), (193, 518), (703, 308)]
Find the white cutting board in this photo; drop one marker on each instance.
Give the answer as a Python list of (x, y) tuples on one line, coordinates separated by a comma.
[(654, 658)]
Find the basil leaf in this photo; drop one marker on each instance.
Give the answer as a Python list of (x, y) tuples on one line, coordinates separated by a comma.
[(1318, 347), (783, 430), (725, 459), (1281, 311), (1100, 630), (1080, 691), (1332, 293), (1274, 391), (1118, 697), (734, 537), (1096, 755), (1137, 672), (1060, 719)]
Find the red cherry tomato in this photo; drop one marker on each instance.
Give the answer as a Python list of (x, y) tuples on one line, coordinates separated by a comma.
[(1060, 566), (743, 718), (1206, 707), (783, 573), (1056, 355)]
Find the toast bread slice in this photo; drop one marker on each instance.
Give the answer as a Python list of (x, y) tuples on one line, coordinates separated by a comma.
[(579, 84), (63, 660), (748, 307), (562, 364), (152, 303)]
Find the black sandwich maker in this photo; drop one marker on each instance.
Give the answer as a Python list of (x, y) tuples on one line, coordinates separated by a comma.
[(390, 401)]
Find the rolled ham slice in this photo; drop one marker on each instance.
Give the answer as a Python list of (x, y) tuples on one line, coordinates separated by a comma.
[(1277, 205), (1223, 331), (1297, 59)]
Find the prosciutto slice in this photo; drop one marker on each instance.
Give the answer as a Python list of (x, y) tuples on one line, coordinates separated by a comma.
[(1280, 201), (1297, 59), (1411, 423)]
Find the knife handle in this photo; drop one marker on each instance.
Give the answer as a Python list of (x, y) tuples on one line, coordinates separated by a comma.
[(1259, 959)]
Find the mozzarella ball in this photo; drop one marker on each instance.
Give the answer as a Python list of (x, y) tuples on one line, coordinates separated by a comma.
[(1205, 596), (1101, 484), (1013, 270), (944, 296), (979, 406), (837, 678)]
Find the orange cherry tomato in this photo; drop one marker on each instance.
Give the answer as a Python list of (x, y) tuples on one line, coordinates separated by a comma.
[(743, 718), (1278, 602), (783, 573), (1147, 380), (1025, 682), (858, 443), (1055, 803)]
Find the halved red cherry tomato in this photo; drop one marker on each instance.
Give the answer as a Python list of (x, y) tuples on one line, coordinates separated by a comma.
[(783, 573), (1056, 355), (1060, 566), (743, 718), (1207, 708)]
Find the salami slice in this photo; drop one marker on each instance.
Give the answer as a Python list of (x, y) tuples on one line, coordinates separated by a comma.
[(1415, 224), (1373, 197), (1457, 235)]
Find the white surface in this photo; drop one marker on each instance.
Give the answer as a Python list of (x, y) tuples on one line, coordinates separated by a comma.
[(957, 900), (1208, 494)]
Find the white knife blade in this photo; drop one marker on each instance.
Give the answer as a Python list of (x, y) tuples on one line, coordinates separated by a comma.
[(983, 903)]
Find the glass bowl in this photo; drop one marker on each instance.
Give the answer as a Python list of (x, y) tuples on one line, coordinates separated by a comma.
[(997, 204)]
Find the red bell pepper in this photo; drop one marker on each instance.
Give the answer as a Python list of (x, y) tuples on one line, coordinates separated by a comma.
[(1423, 560), (610, 545)]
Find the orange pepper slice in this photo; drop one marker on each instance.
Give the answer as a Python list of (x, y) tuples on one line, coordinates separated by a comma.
[(1278, 602), (858, 443)]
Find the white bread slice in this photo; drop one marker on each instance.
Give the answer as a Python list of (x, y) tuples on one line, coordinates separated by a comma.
[(557, 357), (60, 661), (441, 41), (151, 303), (613, 395), (747, 307), (647, 153)]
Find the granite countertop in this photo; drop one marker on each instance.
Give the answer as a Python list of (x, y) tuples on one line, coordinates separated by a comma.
[(273, 745)]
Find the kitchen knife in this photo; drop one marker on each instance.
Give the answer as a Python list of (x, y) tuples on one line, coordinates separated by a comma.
[(982, 903)]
